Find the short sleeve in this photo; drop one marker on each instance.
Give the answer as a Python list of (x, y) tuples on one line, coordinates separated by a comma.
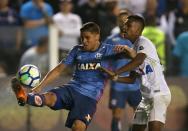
[(143, 47), (70, 59)]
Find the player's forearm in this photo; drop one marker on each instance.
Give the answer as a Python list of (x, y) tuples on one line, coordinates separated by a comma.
[(138, 60), (130, 66), (128, 80), (52, 75)]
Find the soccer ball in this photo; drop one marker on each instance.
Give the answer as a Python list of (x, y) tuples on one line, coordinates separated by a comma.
[(29, 76)]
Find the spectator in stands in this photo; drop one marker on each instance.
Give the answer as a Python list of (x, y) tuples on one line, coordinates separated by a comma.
[(136, 6), (10, 36), (36, 15), (180, 53), (108, 19), (90, 11), (177, 21), (37, 55), (152, 29), (69, 25), (157, 36)]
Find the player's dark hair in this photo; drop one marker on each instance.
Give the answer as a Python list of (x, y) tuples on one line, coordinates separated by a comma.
[(137, 18), (125, 12), (90, 27)]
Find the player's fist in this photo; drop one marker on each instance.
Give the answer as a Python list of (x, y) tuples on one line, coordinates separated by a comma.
[(120, 48), (134, 74)]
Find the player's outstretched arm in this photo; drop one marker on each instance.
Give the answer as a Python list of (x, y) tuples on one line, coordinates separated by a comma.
[(135, 62), (51, 75), (108, 72), (130, 79)]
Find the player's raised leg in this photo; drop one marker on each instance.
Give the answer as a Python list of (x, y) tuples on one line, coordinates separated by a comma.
[(39, 100)]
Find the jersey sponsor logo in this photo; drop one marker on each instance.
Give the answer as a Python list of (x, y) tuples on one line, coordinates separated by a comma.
[(88, 66)]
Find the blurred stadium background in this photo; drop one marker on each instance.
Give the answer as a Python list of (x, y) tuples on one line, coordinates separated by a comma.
[(166, 26)]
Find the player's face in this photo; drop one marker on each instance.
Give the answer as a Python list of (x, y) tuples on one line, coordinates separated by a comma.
[(66, 7), (121, 20), (132, 30), (90, 41)]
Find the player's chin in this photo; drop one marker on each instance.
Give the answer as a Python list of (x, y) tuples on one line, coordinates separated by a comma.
[(86, 48)]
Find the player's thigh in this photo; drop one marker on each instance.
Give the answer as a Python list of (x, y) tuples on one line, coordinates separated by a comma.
[(117, 99), (134, 98), (50, 98), (63, 98), (159, 110), (83, 109)]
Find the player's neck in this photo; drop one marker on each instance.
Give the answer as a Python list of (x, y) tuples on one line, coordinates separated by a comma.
[(97, 45)]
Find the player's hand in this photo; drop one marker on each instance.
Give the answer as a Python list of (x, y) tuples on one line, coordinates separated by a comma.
[(120, 48), (134, 74), (124, 48)]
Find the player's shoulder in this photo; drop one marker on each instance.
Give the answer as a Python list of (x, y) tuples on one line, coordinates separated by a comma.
[(74, 16), (117, 39), (144, 40), (145, 44), (77, 47), (26, 6), (111, 38)]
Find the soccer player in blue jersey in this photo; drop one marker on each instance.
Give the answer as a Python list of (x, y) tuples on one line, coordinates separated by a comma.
[(82, 93), (120, 93)]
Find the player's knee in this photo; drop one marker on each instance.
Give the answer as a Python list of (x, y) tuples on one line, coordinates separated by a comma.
[(138, 127), (78, 125), (50, 99), (155, 126), (117, 113)]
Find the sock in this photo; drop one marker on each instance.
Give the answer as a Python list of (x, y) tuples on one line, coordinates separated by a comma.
[(116, 124), (35, 99)]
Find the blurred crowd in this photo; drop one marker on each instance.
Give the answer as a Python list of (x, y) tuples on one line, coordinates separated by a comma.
[(24, 29)]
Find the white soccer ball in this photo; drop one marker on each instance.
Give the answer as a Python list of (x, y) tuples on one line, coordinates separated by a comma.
[(29, 76)]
